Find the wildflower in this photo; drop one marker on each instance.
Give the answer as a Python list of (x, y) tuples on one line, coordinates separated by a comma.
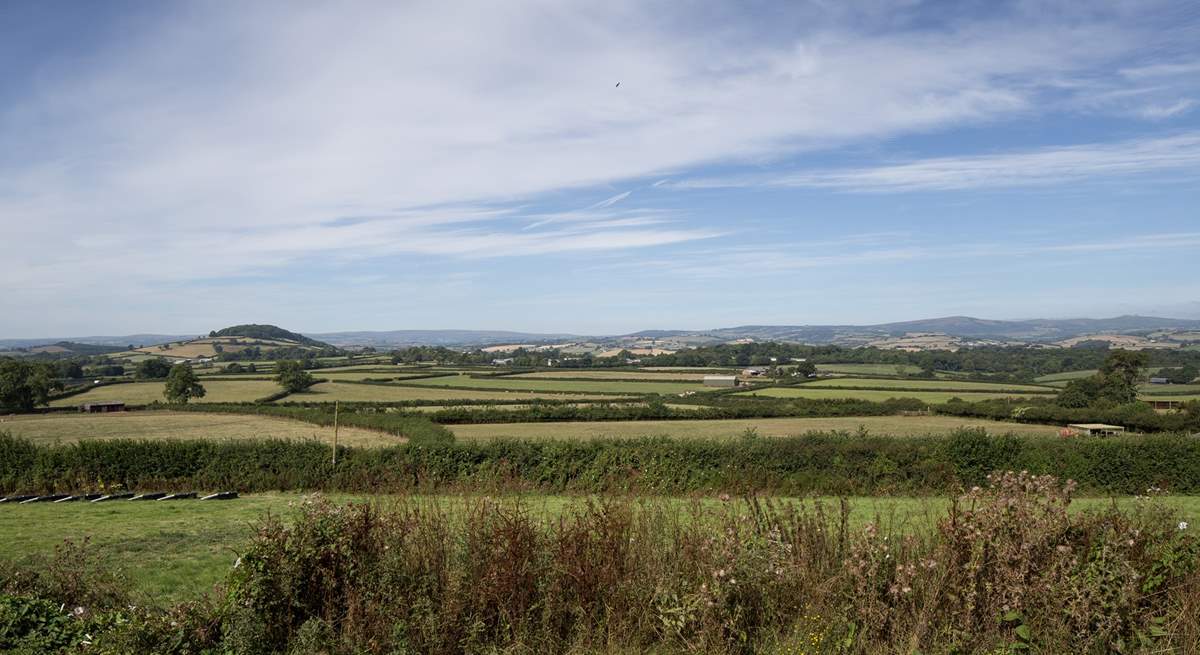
[(1183, 525)]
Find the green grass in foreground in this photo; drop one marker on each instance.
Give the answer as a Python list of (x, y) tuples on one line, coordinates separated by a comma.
[(174, 550)]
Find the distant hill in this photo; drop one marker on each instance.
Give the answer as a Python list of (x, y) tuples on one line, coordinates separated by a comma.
[(255, 331), (401, 338)]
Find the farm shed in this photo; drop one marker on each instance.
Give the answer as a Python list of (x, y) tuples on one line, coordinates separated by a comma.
[(1164, 404), (720, 380), (1096, 428), (98, 408), (1159, 381)]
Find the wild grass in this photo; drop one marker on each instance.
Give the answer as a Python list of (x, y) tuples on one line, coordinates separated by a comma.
[(1007, 568)]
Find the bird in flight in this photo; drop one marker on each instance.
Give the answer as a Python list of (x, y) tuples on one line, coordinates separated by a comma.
[(618, 84)]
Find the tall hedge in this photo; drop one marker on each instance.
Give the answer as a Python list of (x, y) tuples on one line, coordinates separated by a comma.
[(810, 464)]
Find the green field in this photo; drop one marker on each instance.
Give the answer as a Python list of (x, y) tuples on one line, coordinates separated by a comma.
[(1168, 389), (869, 369), (331, 391), (570, 386), (731, 428), (803, 391), (919, 385), (144, 393), (1179, 399), (1066, 377), (51, 428), (173, 551), (603, 374)]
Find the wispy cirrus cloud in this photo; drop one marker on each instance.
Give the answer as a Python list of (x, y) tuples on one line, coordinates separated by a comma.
[(1174, 155)]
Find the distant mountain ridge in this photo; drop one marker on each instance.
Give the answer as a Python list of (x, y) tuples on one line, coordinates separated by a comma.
[(1030, 330)]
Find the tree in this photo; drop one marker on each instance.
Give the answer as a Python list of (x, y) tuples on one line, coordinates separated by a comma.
[(290, 375), (1120, 374), (182, 385), (805, 369), (24, 385), (1182, 375), (69, 369), (234, 368), (153, 369)]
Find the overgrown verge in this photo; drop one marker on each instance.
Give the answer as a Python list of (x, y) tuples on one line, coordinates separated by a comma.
[(825, 463), (1007, 570)]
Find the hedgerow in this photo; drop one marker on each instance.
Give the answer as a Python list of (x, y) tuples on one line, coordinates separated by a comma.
[(824, 463)]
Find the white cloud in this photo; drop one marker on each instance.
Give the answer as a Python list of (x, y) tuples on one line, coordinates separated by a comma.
[(1042, 167)]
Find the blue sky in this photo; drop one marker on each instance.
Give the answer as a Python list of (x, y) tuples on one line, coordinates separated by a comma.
[(177, 167)]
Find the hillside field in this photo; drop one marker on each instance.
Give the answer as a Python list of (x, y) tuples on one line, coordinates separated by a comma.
[(899, 426), (144, 393), (803, 391), (566, 386), (331, 391), (166, 425), (919, 385)]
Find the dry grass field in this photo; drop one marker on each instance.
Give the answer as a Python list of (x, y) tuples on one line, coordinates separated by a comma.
[(163, 425), (804, 391), (143, 393), (331, 391), (574, 386), (900, 426), (601, 374)]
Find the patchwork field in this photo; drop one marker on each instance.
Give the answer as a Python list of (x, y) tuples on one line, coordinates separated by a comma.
[(876, 395), (162, 425), (919, 385), (144, 393), (569, 386), (174, 551), (593, 374), (331, 391), (869, 369), (1066, 377), (768, 427)]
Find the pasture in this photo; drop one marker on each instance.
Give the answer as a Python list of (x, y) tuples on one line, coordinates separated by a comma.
[(563, 386), (349, 392), (144, 393), (166, 425), (805, 391), (869, 369), (899, 426), (929, 385), (606, 374)]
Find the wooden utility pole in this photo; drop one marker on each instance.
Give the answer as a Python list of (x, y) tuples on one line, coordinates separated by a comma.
[(335, 431)]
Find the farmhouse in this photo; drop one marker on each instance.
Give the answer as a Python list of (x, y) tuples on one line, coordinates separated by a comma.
[(1096, 428), (99, 408), (720, 380)]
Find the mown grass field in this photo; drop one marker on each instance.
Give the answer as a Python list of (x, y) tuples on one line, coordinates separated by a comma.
[(601, 374), (804, 391), (1168, 389), (919, 385), (733, 428), (869, 369), (173, 551), (1066, 376), (570, 386), (143, 393), (66, 428), (331, 391)]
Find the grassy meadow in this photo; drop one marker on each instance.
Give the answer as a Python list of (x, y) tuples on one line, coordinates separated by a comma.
[(331, 391), (869, 369), (899, 426), (565, 386), (67, 428), (144, 393), (919, 385), (805, 391)]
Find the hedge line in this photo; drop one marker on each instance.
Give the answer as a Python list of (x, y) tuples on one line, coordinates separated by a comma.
[(810, 464)]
